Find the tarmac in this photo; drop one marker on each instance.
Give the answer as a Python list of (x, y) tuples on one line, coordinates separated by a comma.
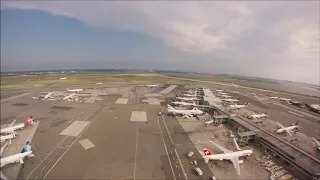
[(118, 134)]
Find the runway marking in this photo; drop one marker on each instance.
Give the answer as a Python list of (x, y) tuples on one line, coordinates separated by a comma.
[(184, 172), (43, 168), (50, 160), (55, 148), (135, 154), (165, 147), (36, 151), (167, 130), (74, 141)]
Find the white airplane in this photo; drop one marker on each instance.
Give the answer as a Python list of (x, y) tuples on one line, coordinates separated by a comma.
[(227, 155), (317, 142), (225, 96), (287, 129), (237, 106), (69, 96), (11, 128), (187, 98), (258, 116), (181, 103), (184, 113), (26, 152), (99, 83), (230, 100), (153, 85), (208, 122), (74, 90), (285, 99), (6, 137), (63, 78), (48, 96), (191, 92), (189, 95)]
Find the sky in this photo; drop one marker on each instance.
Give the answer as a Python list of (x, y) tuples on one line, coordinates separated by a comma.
[(278, 40)]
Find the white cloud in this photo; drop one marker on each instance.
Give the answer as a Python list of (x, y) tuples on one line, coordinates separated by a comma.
[(244, 32)]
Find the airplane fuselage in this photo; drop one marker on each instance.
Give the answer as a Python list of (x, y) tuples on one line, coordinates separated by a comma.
[(257, 116), (74, 90), (229, 155), (187, 99), (13, 128), (14, 158), (290, 128)]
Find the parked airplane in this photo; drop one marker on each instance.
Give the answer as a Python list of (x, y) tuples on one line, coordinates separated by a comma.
[(258, 116), (189, 95), (237, 106), (287, 129), (184, 113), (69, 96), (187, 98), (153, 85), (225, 96), (99, 83), (74, 90), (317, 142), (231, 100), (227, 155), (48, 96), (63, 78), (285, 99), (209, 122), (26, 152), (6, 137), (181, 103), (11, 128)]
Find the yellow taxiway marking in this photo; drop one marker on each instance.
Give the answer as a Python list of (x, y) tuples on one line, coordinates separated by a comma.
[(135, 155)]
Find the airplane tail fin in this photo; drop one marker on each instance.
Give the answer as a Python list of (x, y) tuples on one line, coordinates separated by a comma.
[(26, 148), (29, 121), (206, 152)]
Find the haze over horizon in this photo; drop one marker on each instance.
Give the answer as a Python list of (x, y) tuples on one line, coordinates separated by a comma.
[(277, 40)]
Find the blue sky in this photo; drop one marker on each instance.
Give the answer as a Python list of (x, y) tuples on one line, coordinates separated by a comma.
[(241, 38)]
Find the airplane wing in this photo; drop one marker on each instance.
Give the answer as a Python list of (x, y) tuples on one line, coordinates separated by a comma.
[(21, 160), (12, 123), (3, 147), (236, 144), (236, 164), (221, 148), (3, 176), (280, 125), (289, 132)]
